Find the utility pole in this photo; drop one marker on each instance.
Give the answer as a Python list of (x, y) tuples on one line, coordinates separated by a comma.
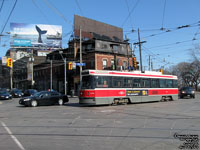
[(65, 76), (127, 51), (140, 49), (80, 58), (51, 75)]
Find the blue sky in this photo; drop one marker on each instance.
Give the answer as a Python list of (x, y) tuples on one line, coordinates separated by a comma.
[(165, 48)]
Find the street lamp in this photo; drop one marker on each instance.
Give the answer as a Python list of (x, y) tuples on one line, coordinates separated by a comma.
[(65, 82), (31, 59)]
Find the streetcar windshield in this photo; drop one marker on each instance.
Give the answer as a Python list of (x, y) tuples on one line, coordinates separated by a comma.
[(87, 82)]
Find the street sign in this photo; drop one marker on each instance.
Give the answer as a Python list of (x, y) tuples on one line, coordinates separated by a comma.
[(73, 65), (80, 64)]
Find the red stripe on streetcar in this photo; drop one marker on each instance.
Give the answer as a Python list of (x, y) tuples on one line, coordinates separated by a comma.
[(163, 92), (122, 93), (103, 93)]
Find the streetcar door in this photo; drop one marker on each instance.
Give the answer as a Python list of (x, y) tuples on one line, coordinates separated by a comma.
[(135, 93)]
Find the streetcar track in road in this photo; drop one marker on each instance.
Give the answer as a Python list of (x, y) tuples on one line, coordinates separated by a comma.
[(101, 127), (89, 135)]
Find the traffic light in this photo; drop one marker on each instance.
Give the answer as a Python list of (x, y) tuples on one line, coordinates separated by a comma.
[(134, 62), (161, 70), (70, 66), (9, 62)]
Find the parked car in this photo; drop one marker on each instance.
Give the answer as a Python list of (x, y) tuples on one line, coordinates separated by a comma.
[(5, 89), (16, 93), (187, 92), (29, 92), (44, 98), (4, 95)]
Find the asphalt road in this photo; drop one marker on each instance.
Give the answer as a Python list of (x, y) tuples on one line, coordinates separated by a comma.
[(147, 126)]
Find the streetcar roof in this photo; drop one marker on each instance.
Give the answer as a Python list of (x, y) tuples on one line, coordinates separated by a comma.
[(146, 74)]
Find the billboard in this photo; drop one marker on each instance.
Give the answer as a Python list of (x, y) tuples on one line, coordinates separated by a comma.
[(95, 29), (35, 35)]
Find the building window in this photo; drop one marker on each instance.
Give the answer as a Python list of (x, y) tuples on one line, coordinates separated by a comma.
[(104, 63), (124, 65), (112, 64), (92, 63)]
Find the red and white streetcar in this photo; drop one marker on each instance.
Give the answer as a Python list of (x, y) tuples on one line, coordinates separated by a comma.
[(111, 87)]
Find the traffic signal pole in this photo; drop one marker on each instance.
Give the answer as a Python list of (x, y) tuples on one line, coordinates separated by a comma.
[(11, 79), (80, 58), (65, 76)]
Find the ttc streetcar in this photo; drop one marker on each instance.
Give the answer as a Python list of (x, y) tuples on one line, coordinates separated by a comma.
[(100, 87)]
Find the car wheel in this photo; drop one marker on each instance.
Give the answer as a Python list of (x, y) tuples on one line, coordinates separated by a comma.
[(60, 102), (34, 103)]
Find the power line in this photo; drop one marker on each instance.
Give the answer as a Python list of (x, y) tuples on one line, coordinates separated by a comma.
[(163, 15), (56, 11), (40, 10), (79, 7), (2, 5), (9, 16), (169, 30), (172, 44), (130, 12)]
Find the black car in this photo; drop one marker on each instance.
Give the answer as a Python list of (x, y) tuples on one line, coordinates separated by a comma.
[(16, 93), (4, 95), (29, 92), (44, 98), (187, 92)]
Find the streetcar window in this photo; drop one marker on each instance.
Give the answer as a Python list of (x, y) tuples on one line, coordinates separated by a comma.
[(169, 83), (145, 83), (117, 82), (128, 82), (87, 82), (162, 83), (102, 82), (175, 83), (136, 83), (155, 83)]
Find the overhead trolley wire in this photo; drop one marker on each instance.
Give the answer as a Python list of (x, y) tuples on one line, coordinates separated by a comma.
[(130, 12), (162, 28), (9, 16), (77, 3), (2, 5), (54, 9)]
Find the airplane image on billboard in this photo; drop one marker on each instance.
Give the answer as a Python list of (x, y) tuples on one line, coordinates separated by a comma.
[(35, 35)]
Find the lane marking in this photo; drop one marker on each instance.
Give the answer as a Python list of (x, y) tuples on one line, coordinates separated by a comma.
[(12, 136)]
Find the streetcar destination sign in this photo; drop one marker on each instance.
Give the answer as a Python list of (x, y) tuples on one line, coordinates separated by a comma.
[(137, 93)]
